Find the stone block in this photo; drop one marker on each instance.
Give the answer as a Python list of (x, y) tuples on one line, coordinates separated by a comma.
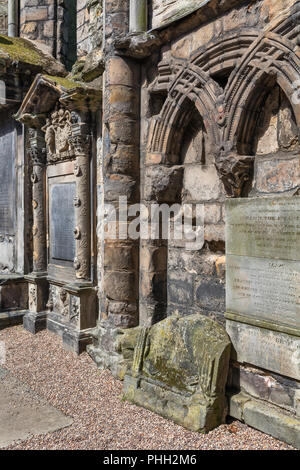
[(8, 319), (120, 257), (273, 421), (277, 175), (76, 341), (221, 266), (37, 13), (263, 227), (123, 131), (262, 385), (236, 405), (35, 322), (181, 288), (194, 262), (163, 184), (122, 72), (266, 418), (214, 233), (120, 286), (179, 370), (210, 293), (123, 100), (267, 349), (212, 213), (201, 183), (13, 296)]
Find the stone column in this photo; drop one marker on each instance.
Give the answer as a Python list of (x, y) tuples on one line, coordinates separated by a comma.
[(38, 178), (12, 18), (138, 18), (82, 232), (121, 154), (35, 319), (119, 289)]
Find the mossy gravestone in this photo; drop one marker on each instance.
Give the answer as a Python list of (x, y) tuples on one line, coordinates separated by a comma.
[(179, 370)]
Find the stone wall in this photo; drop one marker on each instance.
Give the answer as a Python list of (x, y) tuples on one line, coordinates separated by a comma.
[(195, 280), (166, 11), (3, 17), (89, 26), (37, 22), (52, 25)]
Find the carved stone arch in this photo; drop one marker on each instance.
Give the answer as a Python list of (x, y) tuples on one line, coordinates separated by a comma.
[(271, 57), (191, 84), (224, 53)]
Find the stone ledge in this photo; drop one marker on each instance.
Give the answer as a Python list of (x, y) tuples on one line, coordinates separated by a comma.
[(8, 319), (266, 418)]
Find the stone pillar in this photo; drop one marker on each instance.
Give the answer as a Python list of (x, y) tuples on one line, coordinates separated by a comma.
[(138, 16), (12, 18), (38, 179), (119, 289), (35, 319), (81, 142), (121, 153)]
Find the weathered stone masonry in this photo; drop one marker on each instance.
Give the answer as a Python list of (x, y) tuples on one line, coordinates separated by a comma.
[(168, 102)]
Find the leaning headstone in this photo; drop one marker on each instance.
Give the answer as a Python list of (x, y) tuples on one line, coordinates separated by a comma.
[(179, 371)]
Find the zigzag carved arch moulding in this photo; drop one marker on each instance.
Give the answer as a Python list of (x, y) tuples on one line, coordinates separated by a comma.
[(255, 61)]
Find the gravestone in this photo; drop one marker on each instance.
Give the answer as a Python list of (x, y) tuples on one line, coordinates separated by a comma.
[(179, 370), (62, 221)]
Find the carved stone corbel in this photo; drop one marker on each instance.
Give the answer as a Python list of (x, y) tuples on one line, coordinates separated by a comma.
[(236, 171)]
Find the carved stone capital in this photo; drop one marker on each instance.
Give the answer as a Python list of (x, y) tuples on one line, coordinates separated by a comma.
[(235, 172), (36, 147)]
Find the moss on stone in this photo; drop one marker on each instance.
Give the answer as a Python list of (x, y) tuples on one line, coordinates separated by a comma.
[(22, 50), (65, 82)]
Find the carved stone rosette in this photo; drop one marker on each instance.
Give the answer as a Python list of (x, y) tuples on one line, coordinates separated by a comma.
[(36, 152), (81, 143)]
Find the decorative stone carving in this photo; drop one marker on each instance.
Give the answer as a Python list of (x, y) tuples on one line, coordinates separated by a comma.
[(36, 152), (179, 370), (59, 301), (32, 298), (235, 172), (58, 133), (81, 143), (74, 310), (50, 302)]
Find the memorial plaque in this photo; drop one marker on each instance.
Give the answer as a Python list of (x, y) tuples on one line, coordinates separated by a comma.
[(7, 193), (267, 228), (264, 348), (264, 289), (62, 221), (263, 282)]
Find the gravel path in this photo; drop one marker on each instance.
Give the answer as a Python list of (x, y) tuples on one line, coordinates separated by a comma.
[(102, 420)]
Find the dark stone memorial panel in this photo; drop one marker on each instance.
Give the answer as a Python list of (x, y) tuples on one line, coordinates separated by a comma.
[(7, 193), (62, 221)]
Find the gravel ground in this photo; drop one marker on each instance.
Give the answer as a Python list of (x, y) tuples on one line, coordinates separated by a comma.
[(93, 398)]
